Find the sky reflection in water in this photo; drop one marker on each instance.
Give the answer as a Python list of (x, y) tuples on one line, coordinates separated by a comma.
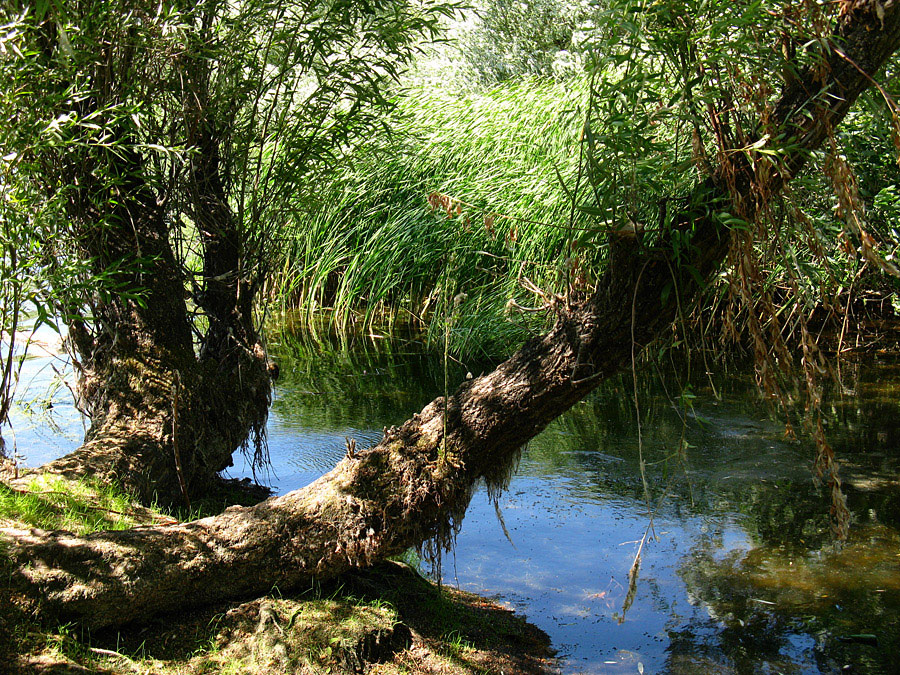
[(741, 576)]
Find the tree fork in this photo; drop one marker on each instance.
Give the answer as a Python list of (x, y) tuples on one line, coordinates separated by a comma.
[(142, 353), (416, 483), (128, 369)]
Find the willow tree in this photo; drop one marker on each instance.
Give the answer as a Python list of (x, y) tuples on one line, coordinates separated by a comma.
[(162, 146), (415, 484)]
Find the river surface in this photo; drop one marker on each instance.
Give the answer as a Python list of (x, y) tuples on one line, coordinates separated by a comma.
[(738, 572)]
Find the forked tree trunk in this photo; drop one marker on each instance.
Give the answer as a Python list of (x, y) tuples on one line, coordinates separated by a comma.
[(416, 483), (168, 407), (164, 420), (169, 397)]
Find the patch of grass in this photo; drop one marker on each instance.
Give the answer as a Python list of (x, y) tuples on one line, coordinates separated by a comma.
[(371, 252), (56, 503), (455, 645)]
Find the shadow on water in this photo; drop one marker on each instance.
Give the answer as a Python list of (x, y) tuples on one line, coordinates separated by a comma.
[(739, 574)]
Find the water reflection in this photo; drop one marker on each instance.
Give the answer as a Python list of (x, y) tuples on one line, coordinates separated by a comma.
[(325, 396), (740, 573), (740, 576), (44, 423), (832, 607)]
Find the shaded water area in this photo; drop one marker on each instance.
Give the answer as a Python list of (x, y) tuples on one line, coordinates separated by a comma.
[(738, 573)]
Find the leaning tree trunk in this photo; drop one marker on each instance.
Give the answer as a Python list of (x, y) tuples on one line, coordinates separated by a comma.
[(416, 483)]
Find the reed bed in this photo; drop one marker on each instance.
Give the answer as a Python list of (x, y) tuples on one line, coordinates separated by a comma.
[(370, 254)]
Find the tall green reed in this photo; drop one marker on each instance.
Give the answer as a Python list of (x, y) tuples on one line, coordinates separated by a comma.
[(370, 252)]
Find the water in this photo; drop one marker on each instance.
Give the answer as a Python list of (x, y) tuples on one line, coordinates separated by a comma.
[(738, 573), (44, 423)]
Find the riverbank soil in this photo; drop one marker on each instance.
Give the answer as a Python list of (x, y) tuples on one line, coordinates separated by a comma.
[(385, 620)]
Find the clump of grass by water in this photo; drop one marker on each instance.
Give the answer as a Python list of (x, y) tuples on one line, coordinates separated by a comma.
[(370, 251), (56, 503)]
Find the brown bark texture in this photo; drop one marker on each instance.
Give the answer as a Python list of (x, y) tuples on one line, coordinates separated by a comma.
[(165, 419), (416, 483)]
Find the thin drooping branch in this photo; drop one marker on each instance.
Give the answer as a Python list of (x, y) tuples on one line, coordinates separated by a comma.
[(416, 483)]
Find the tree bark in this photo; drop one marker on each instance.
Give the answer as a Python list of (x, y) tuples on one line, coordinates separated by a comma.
[(416, 483), (169, 404), (164, 420)]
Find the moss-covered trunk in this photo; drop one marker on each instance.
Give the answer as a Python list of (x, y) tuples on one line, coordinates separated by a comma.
[(416, 483), (168, 404)]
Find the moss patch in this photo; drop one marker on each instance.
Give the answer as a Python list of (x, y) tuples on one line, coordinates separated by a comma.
[(305, 634)]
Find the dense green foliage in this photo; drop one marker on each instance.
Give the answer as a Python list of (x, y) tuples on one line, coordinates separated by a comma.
[(543, 38), (214, 119), (666, 91), (572, 121), (673, 94), (201, 152), (373, 249)]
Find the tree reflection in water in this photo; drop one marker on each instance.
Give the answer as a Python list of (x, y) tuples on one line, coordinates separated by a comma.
[(744, 578)]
